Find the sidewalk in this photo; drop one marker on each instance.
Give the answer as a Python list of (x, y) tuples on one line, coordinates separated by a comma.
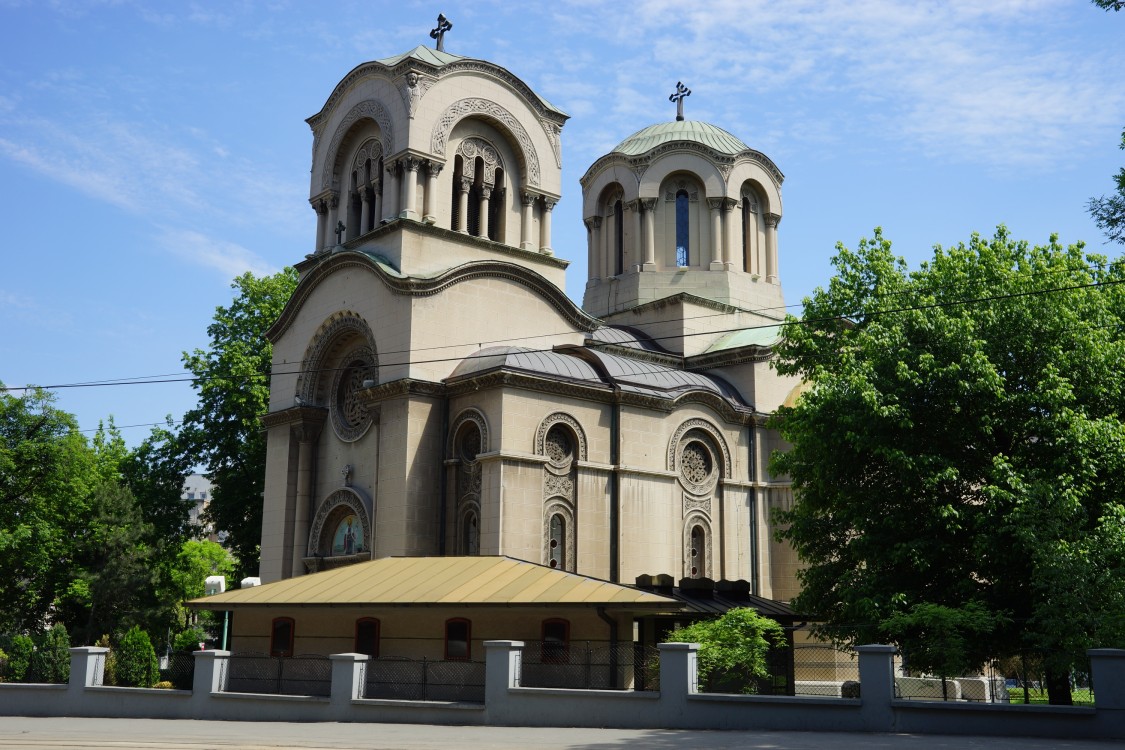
[(150, 734)]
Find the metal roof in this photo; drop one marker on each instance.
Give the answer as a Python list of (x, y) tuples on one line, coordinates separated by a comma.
[(756, 336), (650, 377), (552, 364), (681, 130), (435, 581), (424, 54), (627, 337)]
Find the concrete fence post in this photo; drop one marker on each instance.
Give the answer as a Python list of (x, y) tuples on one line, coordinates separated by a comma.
[(349, 672), (679, 678), (502, 667), (1107, 671), (87, 667), (876, 686), (210, 677)]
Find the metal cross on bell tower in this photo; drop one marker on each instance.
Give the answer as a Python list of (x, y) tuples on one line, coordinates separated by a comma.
[(443, 25), (678, 98)]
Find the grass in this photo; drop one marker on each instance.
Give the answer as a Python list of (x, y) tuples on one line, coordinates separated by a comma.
[(1081, 696)]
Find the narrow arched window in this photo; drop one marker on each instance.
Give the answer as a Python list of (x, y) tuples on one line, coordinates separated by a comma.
[(367, 636), (697, 552), (683, 256), (557, 543), (455, 217), (458, 635), (618, 238), (281, 636), (496, 208), (470, 534)]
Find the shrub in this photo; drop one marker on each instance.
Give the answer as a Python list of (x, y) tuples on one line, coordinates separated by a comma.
[(136, 660), (164, 685), (188, 640), (732, 648), (109, 671), (51, 661), (19, 658), (3, 665)]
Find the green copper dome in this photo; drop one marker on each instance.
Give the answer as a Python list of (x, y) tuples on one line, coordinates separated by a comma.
[(681, 130)]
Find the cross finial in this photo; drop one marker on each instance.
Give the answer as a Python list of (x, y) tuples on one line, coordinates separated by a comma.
[(443, 25), (340, 228), (678, 98)]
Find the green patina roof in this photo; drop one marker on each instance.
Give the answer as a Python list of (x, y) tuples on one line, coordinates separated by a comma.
[(757, 336), (681, 130), (423, 53), (431, 56)]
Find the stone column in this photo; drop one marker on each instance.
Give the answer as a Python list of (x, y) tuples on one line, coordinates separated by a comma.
[(364, 211), (376, 202), (390, 191), (528, 200), (730, 241), (463, 206), (87, 667), (1107, 671), (482, 223), (347, 682), (321, 209), (679, 678), (429, 210), (501, 673), (593, 262), (333, 217), (545, 226), (409, 188), (649, 206), (772, 220), (210, 677), (306, 431), (716, 206)]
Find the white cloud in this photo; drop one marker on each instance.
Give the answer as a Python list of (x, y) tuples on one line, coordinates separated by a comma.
[(228, 258)]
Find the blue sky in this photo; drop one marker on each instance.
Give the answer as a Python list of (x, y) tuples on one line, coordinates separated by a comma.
[(151, 151)]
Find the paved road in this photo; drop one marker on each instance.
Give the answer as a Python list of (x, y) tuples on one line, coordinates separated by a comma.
[(151, 734)]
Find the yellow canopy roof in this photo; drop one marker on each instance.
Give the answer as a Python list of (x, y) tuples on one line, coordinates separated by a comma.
[(430, 581)]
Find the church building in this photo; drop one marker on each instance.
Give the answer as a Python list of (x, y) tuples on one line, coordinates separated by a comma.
[(435, 392)]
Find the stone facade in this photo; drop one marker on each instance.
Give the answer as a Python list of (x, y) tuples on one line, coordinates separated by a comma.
[(436, 393)]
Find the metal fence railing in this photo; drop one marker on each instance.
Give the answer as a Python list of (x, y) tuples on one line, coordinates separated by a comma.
[(804, 669), (273, 675), (178, 668), (589, 666), (424, 680), (1015, 680)]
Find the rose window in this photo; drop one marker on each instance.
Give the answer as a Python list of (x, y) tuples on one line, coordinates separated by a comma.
[(558, 446), (350, 417), (470, 442), (695, 464)]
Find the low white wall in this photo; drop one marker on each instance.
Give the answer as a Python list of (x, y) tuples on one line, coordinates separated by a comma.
[(676, 705)]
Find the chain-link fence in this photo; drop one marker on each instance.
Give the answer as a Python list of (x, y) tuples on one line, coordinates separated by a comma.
[(589, 666), (424, 680), (1019, 680), (178, 668), (286, 675), (805, 669)]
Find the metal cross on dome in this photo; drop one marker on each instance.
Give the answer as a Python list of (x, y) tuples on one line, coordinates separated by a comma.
[(443, 25), (678, 98)]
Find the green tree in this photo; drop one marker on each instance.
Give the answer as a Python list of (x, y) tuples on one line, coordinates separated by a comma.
[(732, 647), (197, 561), (1109, 212), (137, 665), (154, 472), (223, 432), (20, 651), (51, 661), (1110, 4), (47, 471), (960, 445)]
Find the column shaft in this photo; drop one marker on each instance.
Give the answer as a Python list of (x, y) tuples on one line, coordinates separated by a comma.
[(545, 226), (390, 192), (409, 188), (364, 213), (528, 200), (649, 206), (772, 220), (716, 264), (429, 210), (485, 194), (730, 241)]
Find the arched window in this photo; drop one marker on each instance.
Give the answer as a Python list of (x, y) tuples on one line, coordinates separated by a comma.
[(697, 552), (618, 238), (470, 533), (683, 256), (458, 639), (496, 212), (557, 543), (367, 636), (281, 636), (556, 641)]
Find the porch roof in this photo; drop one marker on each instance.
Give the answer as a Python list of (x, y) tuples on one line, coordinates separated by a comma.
[(441, 581)]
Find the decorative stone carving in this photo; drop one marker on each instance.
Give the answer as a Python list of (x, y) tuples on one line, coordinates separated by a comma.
[(372, 150), (350, 417), (341, 329), (703, 556), (413, 87), (370, 109), (470, 149), (554, 132), (493, 111), (555, 485), (716, 441), (341, 502), (566, 512), (468, 415), (575, 428), (695, 502)]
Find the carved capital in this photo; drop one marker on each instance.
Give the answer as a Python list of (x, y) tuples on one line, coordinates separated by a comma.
[(486, 191), (334, 201), (466, 183), (319, 205), (411, 163), (729, 203), (772, 220), (648, 204), (549, 203), (715, 203), (433, 167), (594, 222), (528, 199), (632, 205)]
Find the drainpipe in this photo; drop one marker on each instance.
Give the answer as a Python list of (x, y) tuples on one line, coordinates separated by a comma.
[(612, 646), (753, 464), (443, 474), (615, 488)]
